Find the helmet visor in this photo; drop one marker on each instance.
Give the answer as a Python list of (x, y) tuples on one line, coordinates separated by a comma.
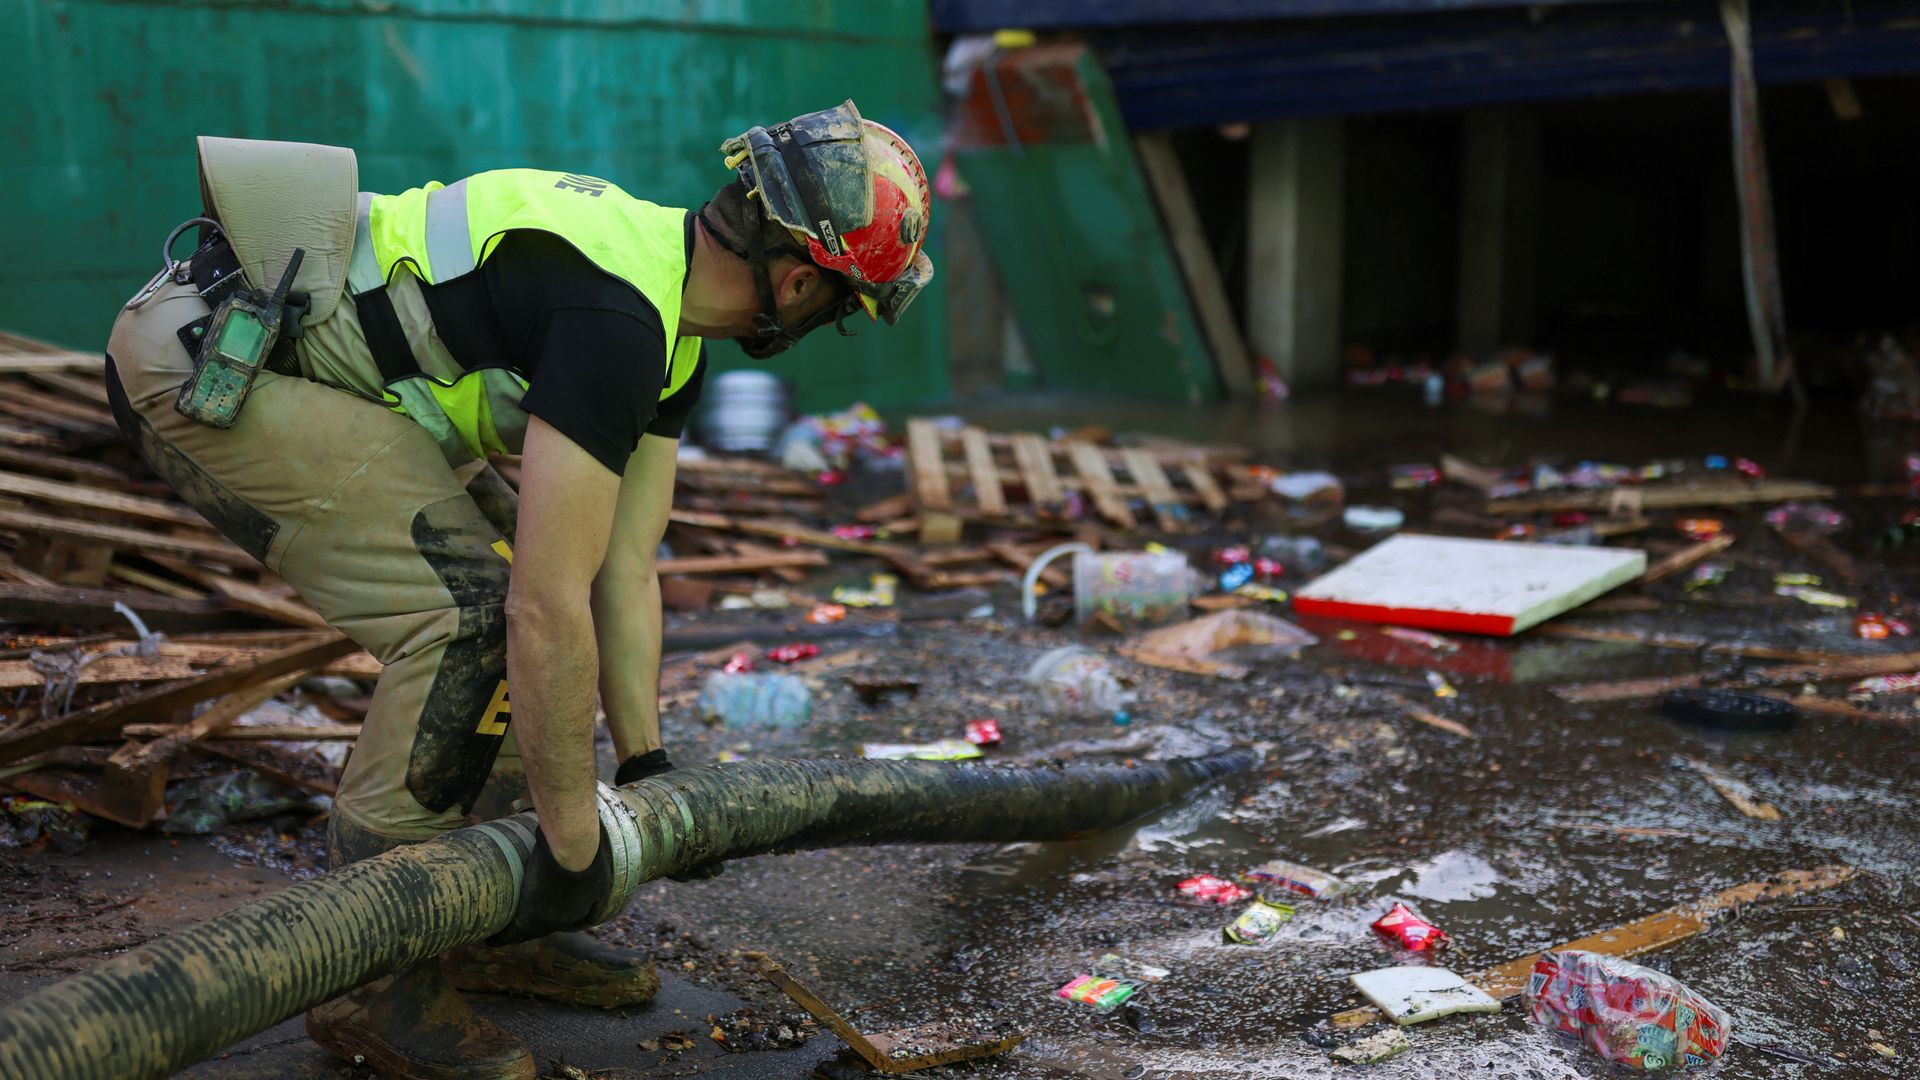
[(811, 173)]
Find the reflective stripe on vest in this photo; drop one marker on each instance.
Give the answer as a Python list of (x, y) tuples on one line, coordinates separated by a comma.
[(445, 232)]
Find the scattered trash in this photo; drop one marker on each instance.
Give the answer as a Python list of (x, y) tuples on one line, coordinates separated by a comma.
[(1796, 579), (1414, 995), (827, 613), (1440, 686), (1075, 682), (26, 822), (755, 700), (1307, 487), (1259, 923), (1235, 576), (1884, 684), (1697, 529), (940, 750), (1198, 639), (1873, 626), (983, 732), (1728, 710), (1303, 553), (1253, 590), (1629, 1015), (1292, 879), (1705, 576), (1131, 588), (1409, 931), (1486, 587), (1413, 477), (1213, 889), (1734, 790), (1104, 995), (738, 664), (881, 591), (211, 803), (1378, 1046), (788, 654), (924, 1046), (1373, 518), (1797, 516), (1817, 597), (1115, 965)]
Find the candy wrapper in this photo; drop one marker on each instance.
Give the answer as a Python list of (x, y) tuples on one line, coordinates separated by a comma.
[(983, 732), (1259, 923), (1818, 597), (1700, 528), (1217, 890), (1876, 627), (881, 591), (1286, 880), (943, 750), (1409, 931), (827, 613), (739, 663), (1235, 576), (788, 654), (1706, 576), (1105, 995), (1629, 1015), (1883, 684)]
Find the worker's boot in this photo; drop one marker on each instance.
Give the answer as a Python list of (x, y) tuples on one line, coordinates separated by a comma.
[(570, 968), (410, 1025)]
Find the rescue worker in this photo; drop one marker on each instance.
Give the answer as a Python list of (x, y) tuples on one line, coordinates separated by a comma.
[(546, 314)]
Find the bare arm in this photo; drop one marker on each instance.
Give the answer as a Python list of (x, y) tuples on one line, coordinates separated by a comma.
[(626, 600), (567, 501)]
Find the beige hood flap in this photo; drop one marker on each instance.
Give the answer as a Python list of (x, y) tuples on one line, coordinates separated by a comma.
[(272, 197)]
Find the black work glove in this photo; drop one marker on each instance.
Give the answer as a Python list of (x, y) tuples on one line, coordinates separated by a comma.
[(653, 763), (553, 898), (641, 766)]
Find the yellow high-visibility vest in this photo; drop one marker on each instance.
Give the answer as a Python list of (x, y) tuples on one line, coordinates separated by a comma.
[(443, 232)]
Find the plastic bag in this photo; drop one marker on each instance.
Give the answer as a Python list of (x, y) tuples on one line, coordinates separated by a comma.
[(1074, 682), (753, 700), (1628, 1014)]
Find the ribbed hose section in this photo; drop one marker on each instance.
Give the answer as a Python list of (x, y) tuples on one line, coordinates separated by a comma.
[(178, 1000), (163, 1007)]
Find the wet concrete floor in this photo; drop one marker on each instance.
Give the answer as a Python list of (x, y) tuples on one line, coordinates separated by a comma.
[(1554, 821)]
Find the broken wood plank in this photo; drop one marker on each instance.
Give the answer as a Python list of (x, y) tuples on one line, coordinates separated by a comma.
[(1734, 790), (1686, 557), (106, 717), (1200, 478), (1035, 460), (246, 597), (739, 564), (170, 739), (60, 606), (130, 539), (1091, 464), (61, 493), (128, 799), (1644, 935), (13, 571), (1199, 268), (986, 476), (78, 387), (926, 466), (1168, 510), (278, 732), (1830, 669), (1666, 496), (153, 582), (304, 771), (887, 509), (1654, 640), (19, 360), (1426, 716), (61, 465)]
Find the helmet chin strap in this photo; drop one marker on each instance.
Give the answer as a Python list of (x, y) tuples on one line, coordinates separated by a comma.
[(770, 336)]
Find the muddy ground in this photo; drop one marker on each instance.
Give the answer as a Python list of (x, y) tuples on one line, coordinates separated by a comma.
[(1552, 822)]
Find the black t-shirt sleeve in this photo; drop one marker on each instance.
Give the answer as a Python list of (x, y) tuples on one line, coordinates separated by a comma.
[(670, 421), (597, 374)]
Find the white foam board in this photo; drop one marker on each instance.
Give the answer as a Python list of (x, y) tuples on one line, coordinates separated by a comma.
[(1472, 586)]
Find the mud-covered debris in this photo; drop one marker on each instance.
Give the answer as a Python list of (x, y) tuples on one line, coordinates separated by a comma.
[(1379, 1046)]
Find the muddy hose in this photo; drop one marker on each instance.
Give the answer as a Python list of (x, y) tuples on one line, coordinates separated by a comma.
[(163, 1007)]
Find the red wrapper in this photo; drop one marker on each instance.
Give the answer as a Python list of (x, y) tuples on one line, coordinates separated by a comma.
[(983, 732), (855, 532), (1268, 567), (787, 654), (1631, 1016), (827, 613), (1229, 556), (1409, 931), (1698, 529), (1218, 890), (738, 663), (830, 477), (1749, 468)]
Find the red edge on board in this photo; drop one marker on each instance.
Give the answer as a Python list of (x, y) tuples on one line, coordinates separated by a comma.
[(1464, 622)]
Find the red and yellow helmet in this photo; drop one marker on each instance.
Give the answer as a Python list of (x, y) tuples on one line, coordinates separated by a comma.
[(853, 191)]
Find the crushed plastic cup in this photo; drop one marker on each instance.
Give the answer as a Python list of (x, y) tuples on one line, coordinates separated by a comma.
[(1078, 683), (1631, 1016), (1130, 588), (1409, 931), (1214, 889), (755, 700)]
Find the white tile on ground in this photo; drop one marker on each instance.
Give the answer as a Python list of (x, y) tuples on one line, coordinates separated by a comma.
[(1412, 994)]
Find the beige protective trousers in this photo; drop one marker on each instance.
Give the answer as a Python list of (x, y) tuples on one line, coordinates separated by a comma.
[(356, 507)]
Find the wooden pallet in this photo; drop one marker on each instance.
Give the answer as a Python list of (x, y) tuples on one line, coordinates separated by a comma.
[(1022, 477)]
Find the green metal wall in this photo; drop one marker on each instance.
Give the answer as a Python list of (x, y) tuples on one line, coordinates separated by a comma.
[(104, 98), (1076, 238)]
